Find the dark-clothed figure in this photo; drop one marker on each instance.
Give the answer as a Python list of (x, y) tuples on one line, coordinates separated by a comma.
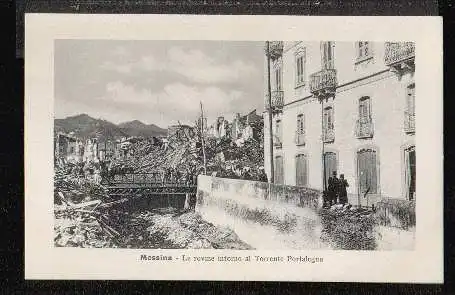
[(343, 194), (333, 188), (263, 175)]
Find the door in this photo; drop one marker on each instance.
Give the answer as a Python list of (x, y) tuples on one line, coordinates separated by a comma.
[(301, 168), (279, 170), (410, 155), (367, 171), (330, 162)]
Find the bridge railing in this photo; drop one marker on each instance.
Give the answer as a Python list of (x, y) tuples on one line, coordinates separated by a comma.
[(153, 178)]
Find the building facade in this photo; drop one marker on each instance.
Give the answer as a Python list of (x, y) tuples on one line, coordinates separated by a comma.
[(342, 106)]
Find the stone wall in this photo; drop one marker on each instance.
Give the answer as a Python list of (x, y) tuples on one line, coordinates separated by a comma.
[(264, 215), (270, 217)]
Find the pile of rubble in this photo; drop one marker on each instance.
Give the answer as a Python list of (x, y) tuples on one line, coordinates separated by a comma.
[(348, 228), (86, 217), (223, 157)]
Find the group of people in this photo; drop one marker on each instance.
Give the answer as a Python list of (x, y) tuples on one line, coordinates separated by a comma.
[(336, 191)]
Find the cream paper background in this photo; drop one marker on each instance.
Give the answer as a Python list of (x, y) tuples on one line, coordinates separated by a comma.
[(44, 261)]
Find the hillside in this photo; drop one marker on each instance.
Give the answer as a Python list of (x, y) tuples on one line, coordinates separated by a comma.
[(85, 127), (137, 128)]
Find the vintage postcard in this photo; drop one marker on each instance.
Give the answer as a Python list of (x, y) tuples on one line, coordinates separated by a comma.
[(233, 148)]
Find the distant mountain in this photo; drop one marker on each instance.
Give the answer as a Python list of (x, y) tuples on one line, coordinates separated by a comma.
[(137, 128), (85, 127)]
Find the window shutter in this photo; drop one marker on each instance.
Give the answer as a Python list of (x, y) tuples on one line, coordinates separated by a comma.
[(362, 171), (373, 172), (324, 55), (305, 171), (303, 122)]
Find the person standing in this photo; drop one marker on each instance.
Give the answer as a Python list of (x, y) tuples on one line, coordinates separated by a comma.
[(333, 188), (262, 175), (343, 194)]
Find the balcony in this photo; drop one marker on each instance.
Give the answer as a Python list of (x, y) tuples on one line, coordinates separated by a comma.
[(275, 49), (299, 138), (409, 122), (323, 83), (399, 56), (328, 134), (277, 143), (277, 101), (364, 128)]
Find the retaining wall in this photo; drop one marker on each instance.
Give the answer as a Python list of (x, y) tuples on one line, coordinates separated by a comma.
[(266, 216), (270, 216)]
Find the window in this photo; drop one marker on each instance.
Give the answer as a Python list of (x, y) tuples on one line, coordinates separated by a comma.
[(328, 118), (278, 85), (367, 173), (364, 109), (410, 99), (410, 172), (327, 49), (278, 129), (363, 50), (279, 170), (300, 67), (301, 170)]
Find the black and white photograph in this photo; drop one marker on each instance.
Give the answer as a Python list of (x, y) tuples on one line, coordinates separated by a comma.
[(173, 147), (235, 145)]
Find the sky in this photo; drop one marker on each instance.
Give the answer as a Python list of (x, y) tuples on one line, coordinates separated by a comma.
[(159, 82)]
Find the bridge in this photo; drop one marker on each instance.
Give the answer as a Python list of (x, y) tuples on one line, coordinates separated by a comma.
[(147, 184)]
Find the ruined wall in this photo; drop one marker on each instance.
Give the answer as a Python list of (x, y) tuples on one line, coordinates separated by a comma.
[(266, 216)]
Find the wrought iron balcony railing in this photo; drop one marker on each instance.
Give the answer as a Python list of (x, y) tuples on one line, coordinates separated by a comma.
[(277, 143), (277, 101), (323, 82), (364, 128), (398, 52), (299, 138), (409, 122), (275, 49), (328, 134)]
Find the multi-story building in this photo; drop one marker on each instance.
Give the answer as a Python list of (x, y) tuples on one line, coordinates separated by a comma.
[(345, 107), (68, 147)]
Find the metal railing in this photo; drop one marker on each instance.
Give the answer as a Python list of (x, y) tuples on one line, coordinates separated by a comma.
[(409, 122), (277, 142), (275, 49), (324, 81), (299, 137), (153, 178), (277, 101), (328, 134), (364, 128), (396, 52)]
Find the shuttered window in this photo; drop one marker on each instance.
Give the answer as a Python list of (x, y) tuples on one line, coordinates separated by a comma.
[(364, 109), (301, 167), (278, 130), (410, 99), (278, 84), (279, 170), (367, 171), (327, 49), (300, 67), (328, 118)]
